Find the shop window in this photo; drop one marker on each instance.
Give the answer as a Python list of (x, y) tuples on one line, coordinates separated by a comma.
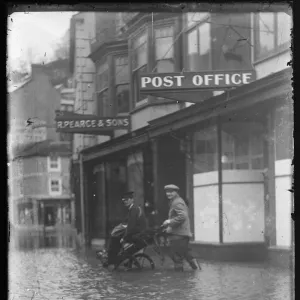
[(272, 35), (54, 163), (164, 49), (205, 151), (283, 133), (242, 146), (55, 186), (88, 140), (139, 63), (25, 213), (122, 84), (199, 47)]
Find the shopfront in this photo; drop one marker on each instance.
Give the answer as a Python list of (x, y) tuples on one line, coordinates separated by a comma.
[(231, 156)]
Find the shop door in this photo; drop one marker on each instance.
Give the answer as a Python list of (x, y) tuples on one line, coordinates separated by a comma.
[(50, 216)]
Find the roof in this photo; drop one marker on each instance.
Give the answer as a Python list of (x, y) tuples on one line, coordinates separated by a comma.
[(42, 148), (267, 88), (12, 88)]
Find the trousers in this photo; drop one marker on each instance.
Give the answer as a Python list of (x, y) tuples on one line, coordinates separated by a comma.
[(179, 247)]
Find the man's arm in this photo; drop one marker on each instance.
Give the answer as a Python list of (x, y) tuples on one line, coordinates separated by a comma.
[(181, 215)]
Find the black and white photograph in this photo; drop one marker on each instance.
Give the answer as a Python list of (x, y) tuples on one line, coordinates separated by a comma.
[(150, 151)]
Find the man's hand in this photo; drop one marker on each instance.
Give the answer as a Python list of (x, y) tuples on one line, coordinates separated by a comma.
[(166, 223)]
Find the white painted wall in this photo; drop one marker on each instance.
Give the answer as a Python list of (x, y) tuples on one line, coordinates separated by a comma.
[(243, 213), (206, 214), (283, 182)]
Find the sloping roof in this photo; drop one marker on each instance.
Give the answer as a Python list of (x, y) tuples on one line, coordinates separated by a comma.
[(12, 88), (43, 148)]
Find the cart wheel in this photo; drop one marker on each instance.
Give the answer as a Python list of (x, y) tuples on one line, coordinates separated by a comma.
[(142, 261)]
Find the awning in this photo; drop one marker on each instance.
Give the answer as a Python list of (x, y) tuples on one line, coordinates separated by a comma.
[(272, 87)]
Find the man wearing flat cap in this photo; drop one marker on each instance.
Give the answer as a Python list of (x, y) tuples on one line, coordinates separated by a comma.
[(178, 228), (136, 220)]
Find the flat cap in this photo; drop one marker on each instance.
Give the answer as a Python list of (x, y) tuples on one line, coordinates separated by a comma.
[(128, 194), (171, 187)]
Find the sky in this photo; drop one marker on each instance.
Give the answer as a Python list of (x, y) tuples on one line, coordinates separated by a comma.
[(37, 31)]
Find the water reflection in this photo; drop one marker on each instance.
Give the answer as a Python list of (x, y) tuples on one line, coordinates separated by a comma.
[(72, 274)]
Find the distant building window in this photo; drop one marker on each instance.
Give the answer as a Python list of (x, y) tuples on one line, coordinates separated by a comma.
[(55, 186), (199, 47), (122, 84), (272, 34), (139, 62), (25, 212), (54, 163), (164, 49)]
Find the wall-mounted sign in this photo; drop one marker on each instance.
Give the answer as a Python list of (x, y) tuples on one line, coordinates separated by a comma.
[(89, 124), (214, 80)]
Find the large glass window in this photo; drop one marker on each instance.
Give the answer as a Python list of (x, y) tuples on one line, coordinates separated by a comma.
[(199, 45), (272, 32), (139, 62), (205, 151), (122, 83), (242, 146), (164, 49), (103, 107), (25, 212)]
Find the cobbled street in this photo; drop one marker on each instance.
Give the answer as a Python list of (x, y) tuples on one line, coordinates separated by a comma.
[(68, 274)]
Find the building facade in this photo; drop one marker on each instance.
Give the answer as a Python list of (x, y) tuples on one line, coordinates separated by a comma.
[(40, 199), (225, 151)]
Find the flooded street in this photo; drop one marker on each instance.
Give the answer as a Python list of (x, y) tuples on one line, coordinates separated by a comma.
[(68, 274)]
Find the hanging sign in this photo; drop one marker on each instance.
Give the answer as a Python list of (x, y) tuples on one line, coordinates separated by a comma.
[(89, 124), (214, 80)]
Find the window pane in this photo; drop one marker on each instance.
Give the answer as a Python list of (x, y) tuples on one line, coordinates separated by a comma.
[(122, 96), (102, 103), (193, 18), (266, 33), (164, 48), (205, 151), (204, 46), (165, 65), (204, 38), (193, 56), (122, 74), (139, 51), (284, 28)]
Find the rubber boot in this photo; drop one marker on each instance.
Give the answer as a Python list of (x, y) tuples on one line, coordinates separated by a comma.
[(194, 264)]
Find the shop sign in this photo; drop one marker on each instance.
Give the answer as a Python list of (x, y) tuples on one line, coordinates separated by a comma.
[(214, 80), (89, 124)]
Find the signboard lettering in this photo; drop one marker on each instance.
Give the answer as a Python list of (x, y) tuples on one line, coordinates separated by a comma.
[(87, 124), (195, 80)]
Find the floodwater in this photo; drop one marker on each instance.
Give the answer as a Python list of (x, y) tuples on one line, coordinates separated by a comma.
[(68, 274)]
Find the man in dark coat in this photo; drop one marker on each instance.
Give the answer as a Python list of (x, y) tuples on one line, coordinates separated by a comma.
[(136, 220), (178, 228), (136, 223)]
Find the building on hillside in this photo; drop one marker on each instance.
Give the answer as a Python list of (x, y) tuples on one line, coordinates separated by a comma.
[(40, 200), (225, 151), (32, 106)]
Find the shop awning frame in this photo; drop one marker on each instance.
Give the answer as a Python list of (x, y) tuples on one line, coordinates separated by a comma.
[(274, 86)]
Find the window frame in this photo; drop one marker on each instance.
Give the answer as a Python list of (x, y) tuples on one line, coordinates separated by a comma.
[(55, 193), (50, 169), (278, 49), (101, 112), (172, 35), (196, 27), (136, 68), (121, 83)]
